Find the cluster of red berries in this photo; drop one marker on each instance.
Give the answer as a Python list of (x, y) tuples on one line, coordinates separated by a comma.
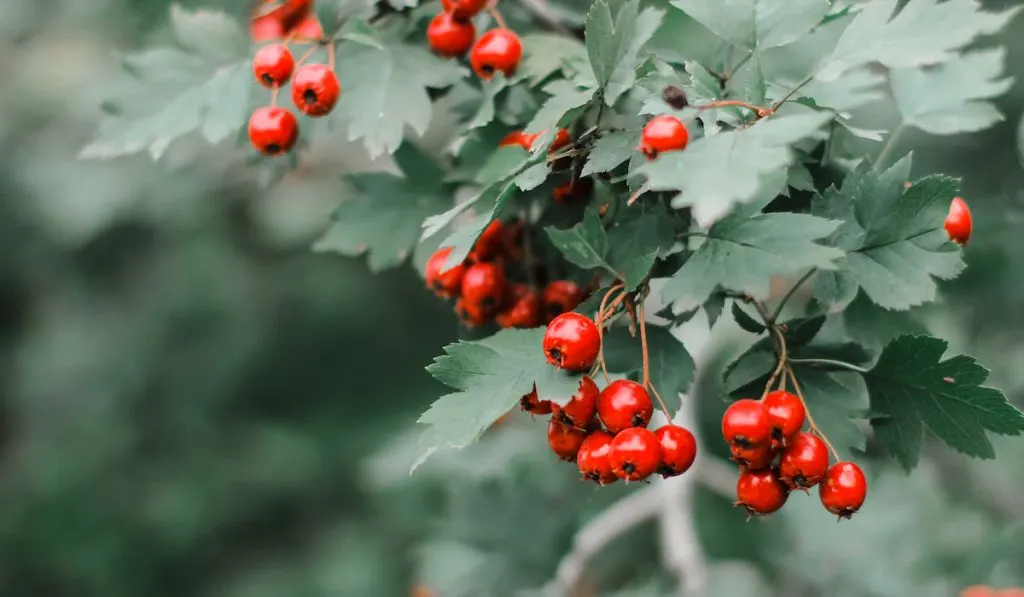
[(605, 431), (776, 457), (483, 291), (576, 189), (452, 33)]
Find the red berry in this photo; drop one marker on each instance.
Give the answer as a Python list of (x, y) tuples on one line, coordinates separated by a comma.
[(678, 450), (273, 130), (580, 410), (490, 243), (445, 283), (635, 454), (574, 190), (523, 310), (532, 403), (483, 285), (746, 424), (786, 414), (519, 138), (980, 591), (450, 36), (844, 489), (561, 296), (315, 89), (562, 139), (496, 50), (565, 440), (959, 222), (663, 133), (273, 65), (760, 492), (753, 458), (572, 342), (804, 461), (512, 241), (471, 314), (593, 461), (463, 9), (624, 404)]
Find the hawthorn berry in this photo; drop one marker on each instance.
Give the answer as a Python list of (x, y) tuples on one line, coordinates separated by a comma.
[(592, 458), (565, 440), (523, 310), (273, 64), (804, 462), (562, 139), (678, 450), (463, 9), (444, 283), (635, 453), (561, 296), (580, 410), (624, 404), (315, 89), (520, 138), (471, 314), (663, 133), (753, 458), (490, 243), (450, 36), (532, 403), (483, 285), (786, 414), (844, 489), (512, 241), (497, 50), (959, 222), (273, 130), (572, 342), (760, 492), (746, 424)]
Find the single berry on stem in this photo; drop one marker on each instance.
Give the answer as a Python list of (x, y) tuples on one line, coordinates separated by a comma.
[(532, 403), (678, 450), (498, 50), (483, 285), (804, 462), (572, 342), (273, 64), (315, 89), (760, 492), (592, 458), (561, 296), (663, 133), (565, 440), (959, 222), (753, 458), (624, 404), (844, 489), (450, 36), (786, 413), (580, 410), (746, 424), (273, 130), (471, 314), (463, 9), (635, 454), (444, 283)]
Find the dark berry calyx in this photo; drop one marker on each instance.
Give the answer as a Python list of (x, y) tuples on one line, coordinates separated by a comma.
[(675, 97)]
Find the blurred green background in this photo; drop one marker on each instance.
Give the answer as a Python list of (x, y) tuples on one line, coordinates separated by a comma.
[(194, 403)]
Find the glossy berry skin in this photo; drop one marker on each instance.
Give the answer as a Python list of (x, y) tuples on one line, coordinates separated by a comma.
[(565, 440), (273, 64), (517, 138), (470, 314), (959, 222), (754, 458), (532, 403), (562, 139), (483, 285), (624, 404), (523, 310), (592, 458), (449, 36), (273, 130), (315, 89), (490, 243), (571, 342), (580, 410), (444, 283), (786, 414), (804, 462), (663, 133), (678, 450), (843, 489), (463, 9), (760, 492), (746, 424), (561, 296), (635, 454), (498, 50)]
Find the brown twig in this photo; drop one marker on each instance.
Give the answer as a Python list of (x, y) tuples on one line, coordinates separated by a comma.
[(810, 420), (760, 111), (646, 360), (500, 20), (603, 312)]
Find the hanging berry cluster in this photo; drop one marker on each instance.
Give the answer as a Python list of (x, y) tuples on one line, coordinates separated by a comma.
[(452, 32)]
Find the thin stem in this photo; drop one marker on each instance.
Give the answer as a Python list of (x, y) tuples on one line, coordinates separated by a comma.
[(500, 20), (273, 95), (646, 359), (760, 111), (810, 420), (792, 291), (636, 194), (829, 363), (889, 147), (780, 342), (305, 56), (793, 91), (330, 56), (602, 315), (729, 74)]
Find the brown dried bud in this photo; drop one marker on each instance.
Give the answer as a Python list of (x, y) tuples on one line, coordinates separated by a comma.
[(674, 97)]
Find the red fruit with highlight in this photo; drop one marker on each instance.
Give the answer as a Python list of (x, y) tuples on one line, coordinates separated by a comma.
[(498, 50), (786, 413), (273, 64), (760, 492), (449, 36), (444, 283), (959, 222), (273, 130), (490, 243), (580, 410), (561, 296), (483, 285), (678, 450), (532, 403), (844, 489), (663, 133), (565, 440), (635, 454), (754, 458), (471, 314), (572, 342), (624, 404), (463, 9), (519, 138), (523, 310), (315, 89), (746, 424), (592, 458), (804, 462)]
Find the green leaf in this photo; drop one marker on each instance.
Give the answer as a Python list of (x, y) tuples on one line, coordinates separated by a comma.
[(637, 240), (915, 389), (924, 32), (489, 203), (757, 24), (746, 321), (385, 90), (950, 98), (671, 366), (384, 216), (566, 99), (613, 49), (585, 244), (893, 236), (209, 33), (490, 377), (610, 151), (715, 173), (544, 54), (491, 88)]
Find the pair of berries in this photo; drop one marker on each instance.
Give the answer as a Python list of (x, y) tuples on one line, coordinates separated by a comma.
[(451, 33), (289, 18), (315, 90), (761, 432), (663, 133), (605, 433), (576, 189)]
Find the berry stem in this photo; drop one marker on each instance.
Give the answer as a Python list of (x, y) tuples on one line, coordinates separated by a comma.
[(637, 193), (758, 110), (780, 342), (500, 20), (646, 359), (273, 95), (330, 56), (600, 319), (792, 291), (305, 56), (792, 92), (829, 363), (810, 419)]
